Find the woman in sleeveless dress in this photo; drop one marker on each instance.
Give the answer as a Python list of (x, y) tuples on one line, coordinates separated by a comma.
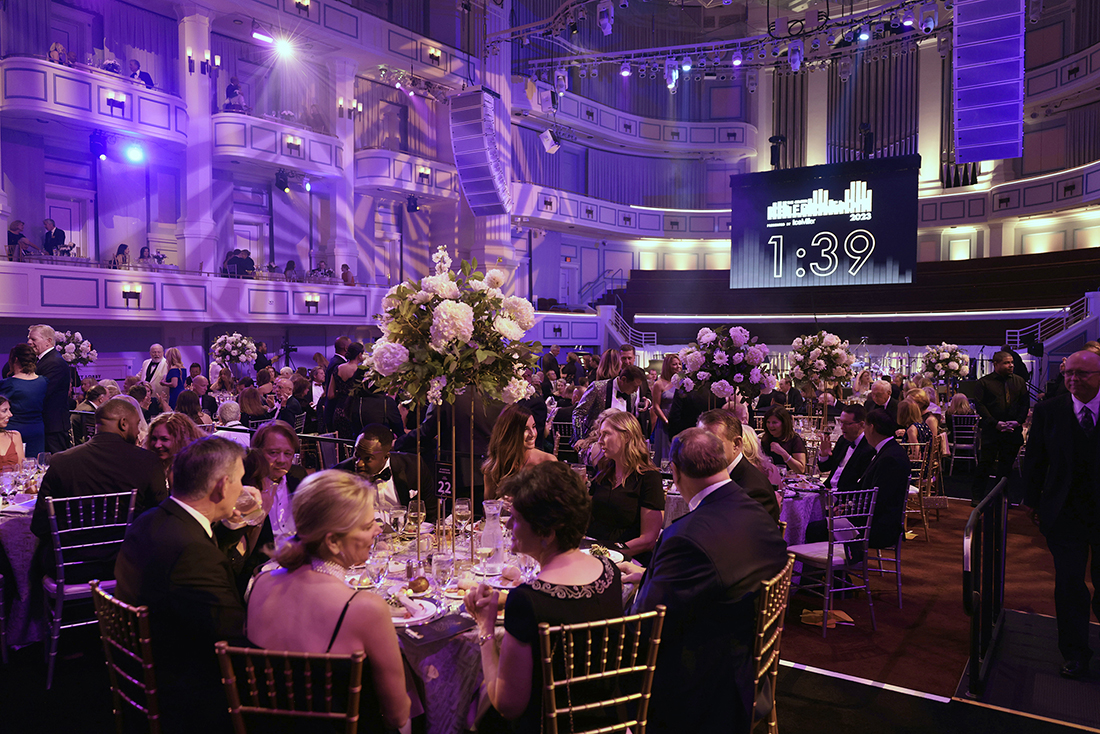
[(26, 393), (174, 380), (550, 509), (306, 605), (663, 406), (11, 443)]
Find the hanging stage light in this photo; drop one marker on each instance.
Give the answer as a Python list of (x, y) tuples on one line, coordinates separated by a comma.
[(864, 33), (411, 205), (306, 185), (625, 70), (908, 19), (282, 180), (737, 57), (97, 143), (260, 33), (685, 64)]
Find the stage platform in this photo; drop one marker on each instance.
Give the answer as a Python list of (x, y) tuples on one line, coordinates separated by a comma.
[(1024, 675)]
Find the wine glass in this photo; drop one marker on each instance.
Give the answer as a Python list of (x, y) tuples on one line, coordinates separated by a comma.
[(397, 519), (44, 459), (462, 512), (416, 514)]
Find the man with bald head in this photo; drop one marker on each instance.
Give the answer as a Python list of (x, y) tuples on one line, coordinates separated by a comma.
[(55, 408), (110, 461), (1062, 496)]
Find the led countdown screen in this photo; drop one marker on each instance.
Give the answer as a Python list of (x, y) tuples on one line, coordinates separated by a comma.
[(839, 224)]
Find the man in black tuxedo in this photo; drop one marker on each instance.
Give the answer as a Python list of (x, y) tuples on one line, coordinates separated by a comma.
[(1002, 401), (846, 462), (55, 408), (882, 398), (142, 77), (54, 239), (795, 402), (707, 569), (623, 392), (889, 471), (394, 474), (325, 409), (171, 563), (1062, 496), (288, 407), (726, 426), (110, 461), (201, 387), (549, 362)]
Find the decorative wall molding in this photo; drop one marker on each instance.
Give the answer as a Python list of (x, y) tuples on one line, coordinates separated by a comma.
[(539, 206), (599, 126), (77, 291), (34, 88), (1067, 189), (1073, 74), (401, 173), (240, 137)]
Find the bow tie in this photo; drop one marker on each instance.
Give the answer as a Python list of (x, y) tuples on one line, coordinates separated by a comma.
[(383, 476), (623, 395)]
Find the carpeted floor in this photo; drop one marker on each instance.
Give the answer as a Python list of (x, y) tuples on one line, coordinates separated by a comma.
[(924, 645)]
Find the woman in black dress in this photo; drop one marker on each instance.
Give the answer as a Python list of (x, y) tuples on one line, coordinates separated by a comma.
[(550, 510), (628, 501), (780, 443)]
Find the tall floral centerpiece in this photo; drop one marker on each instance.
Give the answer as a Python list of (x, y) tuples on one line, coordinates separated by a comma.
[(75, 349), (234, 351), (452, 332), (945, 363), (822, 360), (729, 360)]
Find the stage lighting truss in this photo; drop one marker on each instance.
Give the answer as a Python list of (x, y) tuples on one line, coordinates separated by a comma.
[(806, 42), (411, 84)]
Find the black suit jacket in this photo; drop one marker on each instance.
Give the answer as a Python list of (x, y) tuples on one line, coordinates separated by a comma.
[(707, 569), (855, 467), (889, 471), (757, 485), (53, 241), (55, 408), (289, 412), (403, 468), (891, 407), (103, 464), (143, 77), (1055, 467), (209, 404), (169, 564)]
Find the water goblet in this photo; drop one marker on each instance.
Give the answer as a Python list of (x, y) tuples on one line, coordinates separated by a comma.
[(397, 520)]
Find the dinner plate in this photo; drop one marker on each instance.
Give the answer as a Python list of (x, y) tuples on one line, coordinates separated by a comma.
[(506, 584), (425, 612), (614, 555)]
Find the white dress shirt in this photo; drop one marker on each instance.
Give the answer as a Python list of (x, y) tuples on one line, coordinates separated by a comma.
[(277, 504), (387, 492), (844, 462), (617, 402)]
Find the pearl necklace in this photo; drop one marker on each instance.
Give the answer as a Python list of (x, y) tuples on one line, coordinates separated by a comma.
[(328, 567)]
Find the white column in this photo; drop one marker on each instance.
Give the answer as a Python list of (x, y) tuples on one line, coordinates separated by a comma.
[(817, 118), (341, 245), (198, 243), (489, 238), (930, 113)]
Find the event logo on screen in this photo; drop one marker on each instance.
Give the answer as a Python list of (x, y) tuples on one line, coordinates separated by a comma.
[(820, 225)]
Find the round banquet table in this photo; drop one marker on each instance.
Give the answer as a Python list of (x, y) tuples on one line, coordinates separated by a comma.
[(25, 621), (800, 508)]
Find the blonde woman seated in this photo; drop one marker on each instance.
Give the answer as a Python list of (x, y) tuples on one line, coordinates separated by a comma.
[(628, 501), (750, 449), (306, 606), (959, 405), (511, 448)]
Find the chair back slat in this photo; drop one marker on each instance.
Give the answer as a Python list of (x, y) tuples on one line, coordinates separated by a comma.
[(128, 648), (607, 687), (84, 523), (294, 684), (771, 608)]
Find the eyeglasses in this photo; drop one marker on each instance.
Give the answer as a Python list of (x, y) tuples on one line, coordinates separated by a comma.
[(1080, 374)]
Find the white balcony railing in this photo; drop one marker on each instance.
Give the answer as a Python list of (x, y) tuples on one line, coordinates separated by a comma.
[(401, 173), (276, 142), (36, 89)]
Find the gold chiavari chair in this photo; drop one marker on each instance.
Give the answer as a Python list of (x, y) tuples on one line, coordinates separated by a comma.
[(914, 503), (300, 685), (128, 647), (609, 664), (771, 608)]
